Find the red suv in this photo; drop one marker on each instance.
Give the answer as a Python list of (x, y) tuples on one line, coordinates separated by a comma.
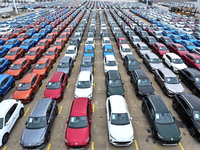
[(160, 49), (178, 49), (78, 132), (56, 86)]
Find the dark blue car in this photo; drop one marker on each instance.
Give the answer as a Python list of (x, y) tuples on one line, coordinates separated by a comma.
[(167, 33), (31, 32), (36, 37), (3, 51), (4, 64), (27, 44), (12, 43), (6, 82), (1, 42), (189, 37)]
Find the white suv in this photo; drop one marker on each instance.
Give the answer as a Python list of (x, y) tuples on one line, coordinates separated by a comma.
[(110, 63)]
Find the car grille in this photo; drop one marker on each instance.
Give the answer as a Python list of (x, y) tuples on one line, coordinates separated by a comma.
[(123, 143), (76, 146)]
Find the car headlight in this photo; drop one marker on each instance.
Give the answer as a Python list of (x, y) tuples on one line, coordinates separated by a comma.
[(112, 137), (41, 141), (58, 96), (43, 73), (27, 96), (87, 140), (17, 74), (159, 136), (66, 141)]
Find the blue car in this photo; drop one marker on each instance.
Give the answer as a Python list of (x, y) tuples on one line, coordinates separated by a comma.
[(176, 38), (179, 32), (89, 51), (172, 29), (188, 44), (43, 32), (108, 50), (3, 51), (1, 42), (167, 33), (12, 43), (49, 28), (197, 43), (27, 44), (4, 64), (43, 24), (36, 37), (189, 37), (31, 32), (6, 82)]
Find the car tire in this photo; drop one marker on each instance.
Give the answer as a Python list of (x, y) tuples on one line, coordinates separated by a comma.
[(1, 98), (192, 131), (143, 109), (194, 91), (154, 134), (32, 97), (21, 112), (5, 138), (155, 78), (174, 105), (48, 137), (56, 111), (13, 85)]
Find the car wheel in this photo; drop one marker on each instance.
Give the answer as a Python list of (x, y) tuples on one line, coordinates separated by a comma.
[(165, 91), (56, 111), (174, 106), (1, 98), (154, 134), (32, 97), (21, 75), (192, 131), (13, 85), (143, 109), (21, 112), (194, 91), (155, 78), (48, 137), (5, 138), (40, 83)]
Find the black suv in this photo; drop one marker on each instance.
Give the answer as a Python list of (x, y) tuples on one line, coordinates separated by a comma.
[(188, 107), (114, 85), (191, 78), (141, 83), (131, 63), (162, 123)]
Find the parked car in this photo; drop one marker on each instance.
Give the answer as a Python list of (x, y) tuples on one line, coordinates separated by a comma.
[(12, 43), (178, 49), (188, 44), (27, 44), (107, 50), (131, 63), (14, 54), (150, 40), (166, 40), (36, 37), (4, 64), (124, 50), (33, 54), (110, 63), (72, 52), (52, 53), (87, 64), (65, 65), (160, 49), (192, 60), (141, 48)]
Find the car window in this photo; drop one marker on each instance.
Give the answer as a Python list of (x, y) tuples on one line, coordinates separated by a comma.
[(189, 75), (161, 74), (33, 81), (169, 58), (88, 110), (4, 82), (10, 113), (151, 111), (49, 111), (47, 62), (24, 63), (185, 106), (62, 79)]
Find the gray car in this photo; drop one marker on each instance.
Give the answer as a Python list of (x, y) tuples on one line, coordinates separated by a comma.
[(141, 48), (65, 65), (134, 40), (37, 132), (152, 61), (168, 81), (87, 64)]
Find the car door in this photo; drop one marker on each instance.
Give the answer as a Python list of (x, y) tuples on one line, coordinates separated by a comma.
[(34, 84), (188, 79), (5, 85), (168, 60), (160, 78), (149, 111), (63, 82), (108, 110), (146, 60), (49, 116)]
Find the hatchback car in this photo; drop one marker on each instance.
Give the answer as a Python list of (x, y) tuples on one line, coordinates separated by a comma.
[(160, 49), (107, 50), (89, 50), (33, 54), (125, 50), (65, 65), (4, 64), (178, 49), (38, 127), (72, 52), (23, 36), (59, 43), (161, 120), (78, 132), (14, 53), (192, 60), (131, 63), (3, 51), (87, 64), (52, 53), (110, 63), (141, 48)]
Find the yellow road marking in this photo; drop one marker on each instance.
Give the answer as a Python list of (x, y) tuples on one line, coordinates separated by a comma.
[(67, 85), (76, 58), (93, 108), (26, 111), (92, 145), (94, 58), (72, 69), (4, 147), (94, 68), (60, 110), (50, 71), (41, 86), (94, 84), (181, 146), (136, 145), (48, 148), (157, 148)]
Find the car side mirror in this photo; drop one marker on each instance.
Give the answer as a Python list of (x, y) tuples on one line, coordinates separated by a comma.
[(131, 118), (90, 121), (174, 118), (67, 122), (26, 122)]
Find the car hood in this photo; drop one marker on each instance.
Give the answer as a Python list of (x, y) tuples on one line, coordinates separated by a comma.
[(146, 90), (121, 132), (176, 88), (13, 72), (31, 137), (133, 67), (87, 69), (168, 131), (156, 66), (21, 94), (180, 66), (39, 71), (84, 92), (65, 70), (77, 136), (144, 51), (116, 90), (10, 57), (52, 93)]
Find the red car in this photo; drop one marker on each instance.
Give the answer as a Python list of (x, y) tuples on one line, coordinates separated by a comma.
[(120, 41), (33, 54), (60, 27), (7, 36), (56, 31), (26, 27), (15, 53), (52, 53), (23, 36), (43, 44), (59, 43), (193, 60), (78, 132), (54, 24), (149, 30), (160, 49), (50, 37), (37, 28), (64, 36), (16, 32), (68, 30), (178, 49), (56, 86), (32, 24)]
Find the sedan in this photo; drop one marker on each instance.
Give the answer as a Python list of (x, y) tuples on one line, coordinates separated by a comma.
[(36, 37), (52, 53), (59, 43), (50, 37), (141, 48), (23, 36), (192, 60), (176, 38), (12, 43), (33, 54), (4, 64), (178, 49), (15, 53), (166, 40), (43, 44), (188, 44), (31, 32), (160, 49)]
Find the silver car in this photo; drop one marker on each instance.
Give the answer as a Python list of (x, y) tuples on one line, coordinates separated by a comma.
[(168, 81), (87, 64), (65, 65), (141, 48)]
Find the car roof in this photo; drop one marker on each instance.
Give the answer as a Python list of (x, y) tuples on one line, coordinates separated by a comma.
[(42, 60), (118, 104), (173, 55), (167, 72), (3, 76), (178, 45), (140, 74), (28, 78), (79, 107), (87, 58), (151, 55), (19, 61), (5, 105), (113, 74), (84, 76), (65, 59), (125, 46), (56, 77), (160, 44), (196, 56), (110, 57), (193, 71), (41, 107)]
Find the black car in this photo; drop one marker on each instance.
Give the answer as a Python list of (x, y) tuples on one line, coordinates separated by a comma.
[(150, 40), (196, 35), (191, 78), (75, 42), (188, 107), (142, 34), (141, 83), (137, 30), (129, 34), (166, 40), (162, 123), (114, 85), (131, 63)]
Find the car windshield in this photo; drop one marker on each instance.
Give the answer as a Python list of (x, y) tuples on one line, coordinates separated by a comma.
[(11, 53), (197, 61), (86, 64), (63, 36), (83, 84), (63, 65), (163, 48), (152, 40), (196, 115), (89, 42), (1, 123), (40, 66), (110, 63), (49, 53), (20, 36), (190, 44), (164, 118), (49, 37), (108, 50), (144, 82), (182, 49), (115, 83), (120, 119), (8, 43), (122, 41), (73, 42), (31, 53), (57, 43), (15, 66), (53, 85), (138, 40), (70, 52), (126, 50), (171, 80), (106, 41), (25, 43), (41, 44), (78, 122), (144, 48), (36, 122), (155, 60), (177, 61), (23, 86)]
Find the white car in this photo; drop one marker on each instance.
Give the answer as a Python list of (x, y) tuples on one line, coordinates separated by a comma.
[(4, 31), (11, 110), (174, 62), (90, 41), (187, 30), (78, 35), (84, 85), (71, 51), (105, 41), (125, 50), (103, 29), (4, 26), (120, 129), (110, 63)]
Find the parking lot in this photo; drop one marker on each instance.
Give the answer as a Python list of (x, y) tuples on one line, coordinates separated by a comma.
[(99, 137)]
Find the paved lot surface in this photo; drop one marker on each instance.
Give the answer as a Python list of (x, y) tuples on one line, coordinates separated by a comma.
[(143, 138)]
